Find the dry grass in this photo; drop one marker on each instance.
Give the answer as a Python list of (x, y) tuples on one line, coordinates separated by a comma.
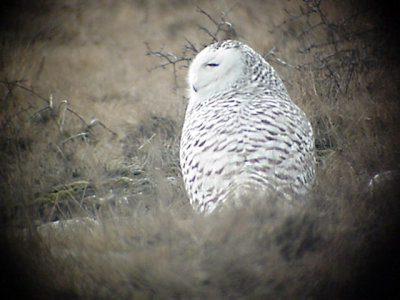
[(96, 209)]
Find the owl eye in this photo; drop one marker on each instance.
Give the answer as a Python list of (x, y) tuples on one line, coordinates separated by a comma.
[(212, 65)]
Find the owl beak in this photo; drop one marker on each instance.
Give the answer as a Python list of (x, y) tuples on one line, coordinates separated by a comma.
[(194, 89)]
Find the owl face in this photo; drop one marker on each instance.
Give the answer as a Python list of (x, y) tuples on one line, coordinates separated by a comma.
[(215, 70)]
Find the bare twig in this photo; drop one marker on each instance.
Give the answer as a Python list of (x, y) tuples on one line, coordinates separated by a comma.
[(335, 70), (222, 26), (18, 83), (62, 122), (212, 35), (191, 47), (82, 135), (168, 58), (57, 112), (271, 54), (98, 122)]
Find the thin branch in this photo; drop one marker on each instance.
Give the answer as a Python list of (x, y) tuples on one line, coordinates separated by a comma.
[(229, 31), (82, 134), (77, 115), (17, 84), (212, 35), (191, 47), (202, 11), (98, 122), (169, 59)]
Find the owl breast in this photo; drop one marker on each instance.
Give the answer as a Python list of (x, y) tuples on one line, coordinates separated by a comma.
[(239, 142)]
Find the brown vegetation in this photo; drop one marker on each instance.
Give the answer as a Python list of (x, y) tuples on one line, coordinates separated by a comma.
[(92, 203)]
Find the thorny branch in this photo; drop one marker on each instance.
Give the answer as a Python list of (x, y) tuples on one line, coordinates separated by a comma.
[(19, 84), (221, 26), (168, 58), (56, 112), (171, 59), (334, 50), (320, 35), (271, 55)]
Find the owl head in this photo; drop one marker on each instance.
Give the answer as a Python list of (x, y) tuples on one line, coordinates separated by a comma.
[(215, 69), (232, 66)]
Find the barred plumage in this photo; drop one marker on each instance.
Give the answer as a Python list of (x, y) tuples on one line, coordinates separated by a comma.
[(242, 132)]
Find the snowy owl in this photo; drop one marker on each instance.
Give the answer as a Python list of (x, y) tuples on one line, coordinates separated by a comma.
[(242, 132)]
